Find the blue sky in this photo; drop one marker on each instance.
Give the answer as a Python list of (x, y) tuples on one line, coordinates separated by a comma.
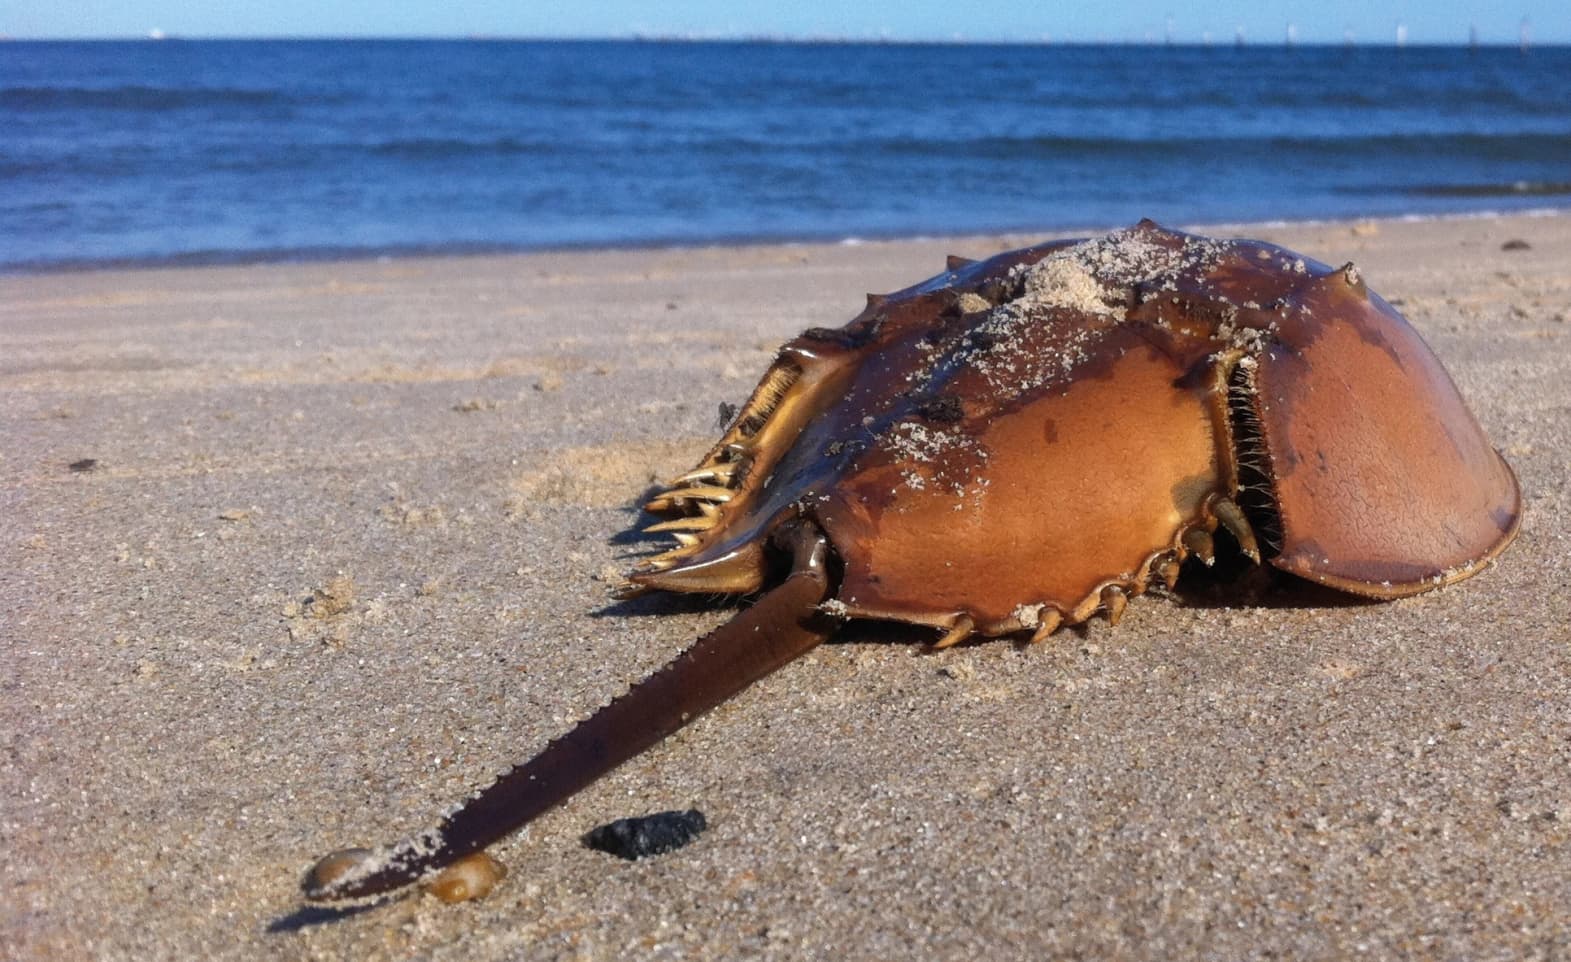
[(1262, 21)]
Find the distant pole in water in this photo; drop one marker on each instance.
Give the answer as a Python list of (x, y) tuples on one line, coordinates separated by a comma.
[(1472, 37), (1238, 36), (1292, 34), (1167, 33), (1401, 35), (1347, 37), (1524, 34)]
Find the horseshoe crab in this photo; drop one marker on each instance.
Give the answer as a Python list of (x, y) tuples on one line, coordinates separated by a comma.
[(1021, 443)]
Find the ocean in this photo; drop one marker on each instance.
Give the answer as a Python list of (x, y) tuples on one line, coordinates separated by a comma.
[(222, 151)]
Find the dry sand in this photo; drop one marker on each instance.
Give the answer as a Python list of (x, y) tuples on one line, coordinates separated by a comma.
[(342, 551)]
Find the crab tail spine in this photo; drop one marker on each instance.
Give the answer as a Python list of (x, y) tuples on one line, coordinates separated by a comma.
[(784, 625)]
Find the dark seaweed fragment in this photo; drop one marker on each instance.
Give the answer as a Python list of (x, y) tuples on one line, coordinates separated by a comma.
[(635, 838)]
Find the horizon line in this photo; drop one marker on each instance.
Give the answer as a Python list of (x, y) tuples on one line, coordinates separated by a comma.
[(155, 35)]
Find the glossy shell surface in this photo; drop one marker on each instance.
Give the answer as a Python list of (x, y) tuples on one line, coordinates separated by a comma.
[(1028, 440)]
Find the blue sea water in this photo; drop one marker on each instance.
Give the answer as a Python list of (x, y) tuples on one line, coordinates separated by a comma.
[(206, 151)]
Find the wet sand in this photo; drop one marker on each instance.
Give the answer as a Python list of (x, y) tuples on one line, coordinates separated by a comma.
[(300, 554)]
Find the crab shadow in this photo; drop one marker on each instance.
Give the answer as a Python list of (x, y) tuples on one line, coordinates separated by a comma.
[(638, 520), (856, 632), (1236, 582), (309, 915), (657, 603)]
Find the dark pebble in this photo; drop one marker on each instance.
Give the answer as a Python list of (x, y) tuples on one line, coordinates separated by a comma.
[(635, 838), (1516, 245), (86, 464)]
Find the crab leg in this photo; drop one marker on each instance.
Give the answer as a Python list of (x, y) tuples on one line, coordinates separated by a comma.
[(781, 627)]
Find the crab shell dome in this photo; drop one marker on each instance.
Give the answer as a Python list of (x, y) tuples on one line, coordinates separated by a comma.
[(1026, 440)]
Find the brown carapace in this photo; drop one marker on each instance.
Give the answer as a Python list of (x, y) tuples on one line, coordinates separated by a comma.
[(1026, 442)]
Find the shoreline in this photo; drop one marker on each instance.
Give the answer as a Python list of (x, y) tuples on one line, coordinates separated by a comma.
[(1507, 45), (240, 258), (302, 553)]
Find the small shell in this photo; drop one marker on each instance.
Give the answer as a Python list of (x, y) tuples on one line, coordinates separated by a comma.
[(471, 877), (336, 866)]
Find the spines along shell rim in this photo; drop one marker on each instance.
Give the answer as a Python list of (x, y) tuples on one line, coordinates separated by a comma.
[(1108, 598)]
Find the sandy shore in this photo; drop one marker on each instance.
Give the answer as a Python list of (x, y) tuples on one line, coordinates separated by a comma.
[(297, 555)]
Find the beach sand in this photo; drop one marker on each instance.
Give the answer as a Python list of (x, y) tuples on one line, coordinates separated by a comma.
[(299, 554)]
